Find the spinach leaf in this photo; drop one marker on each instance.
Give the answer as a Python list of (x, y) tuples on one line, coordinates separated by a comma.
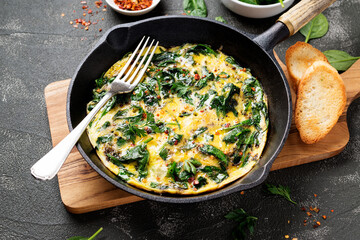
[(124, 174), (189, 167), (340, 60), (104, 139), (181, 75), (199, 131), (207, 76), (164, 152), (233, 62), (172, 170), (130, 131), (201, 182), (164, 58), (202, 49), (105, 125), (182, 91), (316, 28), (139, 154), (202, 99), (211, 150), (224, 103), (216, 174), (120, 142), (195, 8), (220, 19), (165, 81), (146, 92), (235, 135)]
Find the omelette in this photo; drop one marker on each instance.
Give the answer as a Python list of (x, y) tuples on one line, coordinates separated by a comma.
[(197, 121)]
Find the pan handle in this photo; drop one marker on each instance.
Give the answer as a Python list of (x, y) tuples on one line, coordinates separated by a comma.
[(299, 15), (291, 22)]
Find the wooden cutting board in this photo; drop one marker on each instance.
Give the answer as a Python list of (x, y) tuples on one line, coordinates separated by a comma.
[(83, 190)]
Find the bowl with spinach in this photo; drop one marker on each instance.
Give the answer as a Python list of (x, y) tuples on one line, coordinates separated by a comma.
[(257, 8)]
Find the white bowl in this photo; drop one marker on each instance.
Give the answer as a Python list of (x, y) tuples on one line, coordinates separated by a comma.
[(112, 4), (256, 11)]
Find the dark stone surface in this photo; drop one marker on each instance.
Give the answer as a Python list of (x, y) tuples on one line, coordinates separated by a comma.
[(39, 46)]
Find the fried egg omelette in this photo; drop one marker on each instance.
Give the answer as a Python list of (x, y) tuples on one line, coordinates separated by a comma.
[(196, 122)]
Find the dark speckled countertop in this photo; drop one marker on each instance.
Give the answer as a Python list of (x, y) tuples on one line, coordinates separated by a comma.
[(39, 46)]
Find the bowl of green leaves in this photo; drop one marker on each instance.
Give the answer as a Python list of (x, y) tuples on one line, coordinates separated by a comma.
[(257, 8)]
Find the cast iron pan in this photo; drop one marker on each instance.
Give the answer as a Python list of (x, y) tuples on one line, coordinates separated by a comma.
[(255, 54)]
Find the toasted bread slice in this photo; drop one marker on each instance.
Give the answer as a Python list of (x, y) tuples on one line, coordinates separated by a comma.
[(321, 99), (299, 58)]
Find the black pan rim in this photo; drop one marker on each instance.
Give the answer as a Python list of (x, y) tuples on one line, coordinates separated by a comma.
[(181, 198)]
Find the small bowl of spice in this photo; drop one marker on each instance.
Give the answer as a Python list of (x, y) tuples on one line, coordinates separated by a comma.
[(133, 7), (257, 8)]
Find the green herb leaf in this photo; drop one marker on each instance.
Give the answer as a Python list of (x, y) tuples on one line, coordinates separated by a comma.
[(316, 28), (245, 223), (202, 182), (85, 238), (130, 131), (279, 190), (215, 173), (164, 153), (195, 8), (220, 19), (211, 150), (340, 60), (104, 139)]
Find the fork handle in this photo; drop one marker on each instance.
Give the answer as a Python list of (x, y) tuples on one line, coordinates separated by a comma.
[(49, 165)]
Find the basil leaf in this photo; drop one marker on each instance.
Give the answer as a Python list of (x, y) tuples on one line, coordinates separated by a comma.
[(340, 60), (316, 28), (220, 19), (195, 8)]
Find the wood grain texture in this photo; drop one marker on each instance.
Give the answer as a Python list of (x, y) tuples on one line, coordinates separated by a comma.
[(83, 190), (299, 15)]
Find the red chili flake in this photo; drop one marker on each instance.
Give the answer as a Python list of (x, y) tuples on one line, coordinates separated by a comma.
[(227, 125), (197, 77), (90, 11), (242, 192), (241, 153), (158, 97), (100, 29), (303, 209), (309, 214), (315, 195), (305, 221), (253, 89), (84, 7), (166, 131), (133, 5), (315, 226), (324, 217), (332, 210), (317, 210), (196, 182)]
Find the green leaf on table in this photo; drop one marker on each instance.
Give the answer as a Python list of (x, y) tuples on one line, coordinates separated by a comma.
[(279, 190), (246, 223), (85, 238), (221, 19), (316, 28), (195, 8), (340, 60)]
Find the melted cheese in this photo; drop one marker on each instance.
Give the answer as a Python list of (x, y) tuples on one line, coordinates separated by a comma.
[(168, 111)]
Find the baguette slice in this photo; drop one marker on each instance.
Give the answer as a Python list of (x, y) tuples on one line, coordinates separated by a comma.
[(299, 57), (321, 99)]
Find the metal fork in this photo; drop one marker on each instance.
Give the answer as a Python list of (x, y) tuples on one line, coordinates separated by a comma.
[(49, 165)]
